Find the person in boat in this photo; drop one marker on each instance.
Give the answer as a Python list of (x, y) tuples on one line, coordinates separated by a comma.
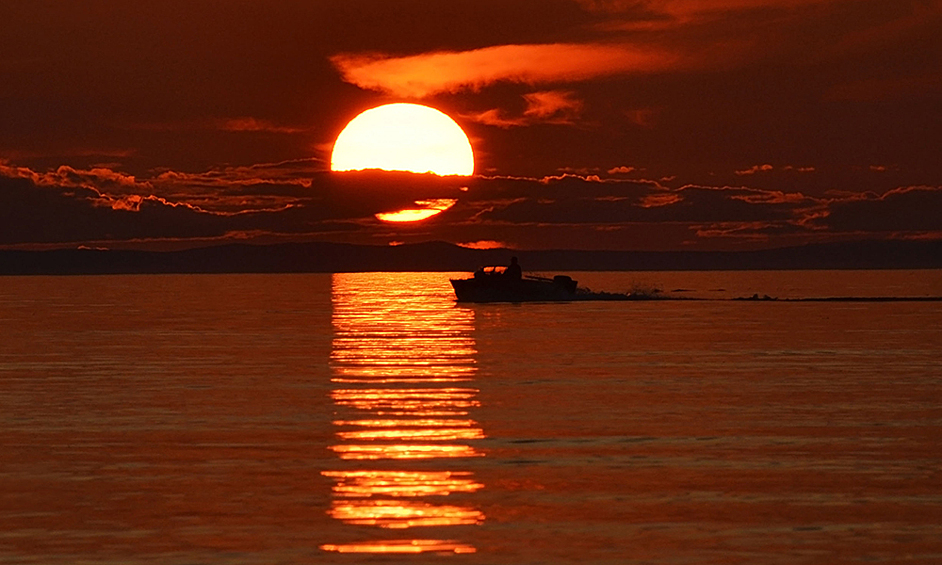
[(514, 271)]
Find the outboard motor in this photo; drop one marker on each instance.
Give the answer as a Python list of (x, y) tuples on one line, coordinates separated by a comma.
[(565, 282)]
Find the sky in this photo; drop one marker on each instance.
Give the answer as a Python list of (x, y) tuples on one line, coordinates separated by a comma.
[(595, 124)]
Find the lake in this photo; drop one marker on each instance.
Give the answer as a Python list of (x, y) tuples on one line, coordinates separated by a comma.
[(368, 418)]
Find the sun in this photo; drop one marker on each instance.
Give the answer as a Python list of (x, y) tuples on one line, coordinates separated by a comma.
[(403, 137)]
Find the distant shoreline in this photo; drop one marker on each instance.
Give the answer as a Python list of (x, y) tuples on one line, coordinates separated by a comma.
[(321, 257)]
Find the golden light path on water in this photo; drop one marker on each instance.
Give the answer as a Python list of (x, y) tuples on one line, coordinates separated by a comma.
[(403, 364)]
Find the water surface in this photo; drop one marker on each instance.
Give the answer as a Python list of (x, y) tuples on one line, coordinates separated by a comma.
[(368, 418)]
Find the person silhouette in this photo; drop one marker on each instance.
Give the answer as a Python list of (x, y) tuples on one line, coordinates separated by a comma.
[(513, 271)]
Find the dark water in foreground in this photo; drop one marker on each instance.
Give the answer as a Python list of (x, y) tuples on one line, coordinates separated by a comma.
[(366, 418)]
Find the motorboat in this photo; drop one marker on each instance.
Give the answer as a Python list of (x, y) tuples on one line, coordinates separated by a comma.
[(492, 284)]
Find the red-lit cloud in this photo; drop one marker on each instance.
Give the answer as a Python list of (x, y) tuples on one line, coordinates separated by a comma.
[(799, 169), (494, 117), (755, 169), (249, 124), (547, 106), (454, 71), (552, 105), (485, 244)]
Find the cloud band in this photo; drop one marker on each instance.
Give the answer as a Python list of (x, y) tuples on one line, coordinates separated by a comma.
[(453, 71)]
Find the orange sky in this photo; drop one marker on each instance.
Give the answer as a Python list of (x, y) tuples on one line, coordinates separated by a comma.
[(596, 124)]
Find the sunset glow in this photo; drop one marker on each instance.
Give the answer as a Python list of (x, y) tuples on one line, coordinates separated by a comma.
[(491, 282), (628, 126), (403, 137)]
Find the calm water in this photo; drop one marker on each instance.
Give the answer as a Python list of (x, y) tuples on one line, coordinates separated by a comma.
[(366, 418)]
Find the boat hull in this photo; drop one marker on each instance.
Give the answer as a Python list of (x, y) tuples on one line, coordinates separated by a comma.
[(501, 289)]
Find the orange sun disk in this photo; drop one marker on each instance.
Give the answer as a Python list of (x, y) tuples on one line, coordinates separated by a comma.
[(405, 137)]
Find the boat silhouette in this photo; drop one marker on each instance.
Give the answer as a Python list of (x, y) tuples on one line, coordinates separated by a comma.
[(492, 284)]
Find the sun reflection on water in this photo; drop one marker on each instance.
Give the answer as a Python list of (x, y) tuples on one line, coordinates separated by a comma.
[(402, 546), (366, 484), (403, 363)]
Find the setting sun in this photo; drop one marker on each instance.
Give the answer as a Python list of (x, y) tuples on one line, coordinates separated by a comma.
[(403, 137)]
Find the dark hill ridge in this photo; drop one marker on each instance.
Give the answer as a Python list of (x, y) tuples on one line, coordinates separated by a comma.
[(323, 257)]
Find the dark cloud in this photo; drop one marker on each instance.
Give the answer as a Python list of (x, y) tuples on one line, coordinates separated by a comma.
[(909, 209), (575, 200), (31, 213), (707, 212), (71, 206)]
